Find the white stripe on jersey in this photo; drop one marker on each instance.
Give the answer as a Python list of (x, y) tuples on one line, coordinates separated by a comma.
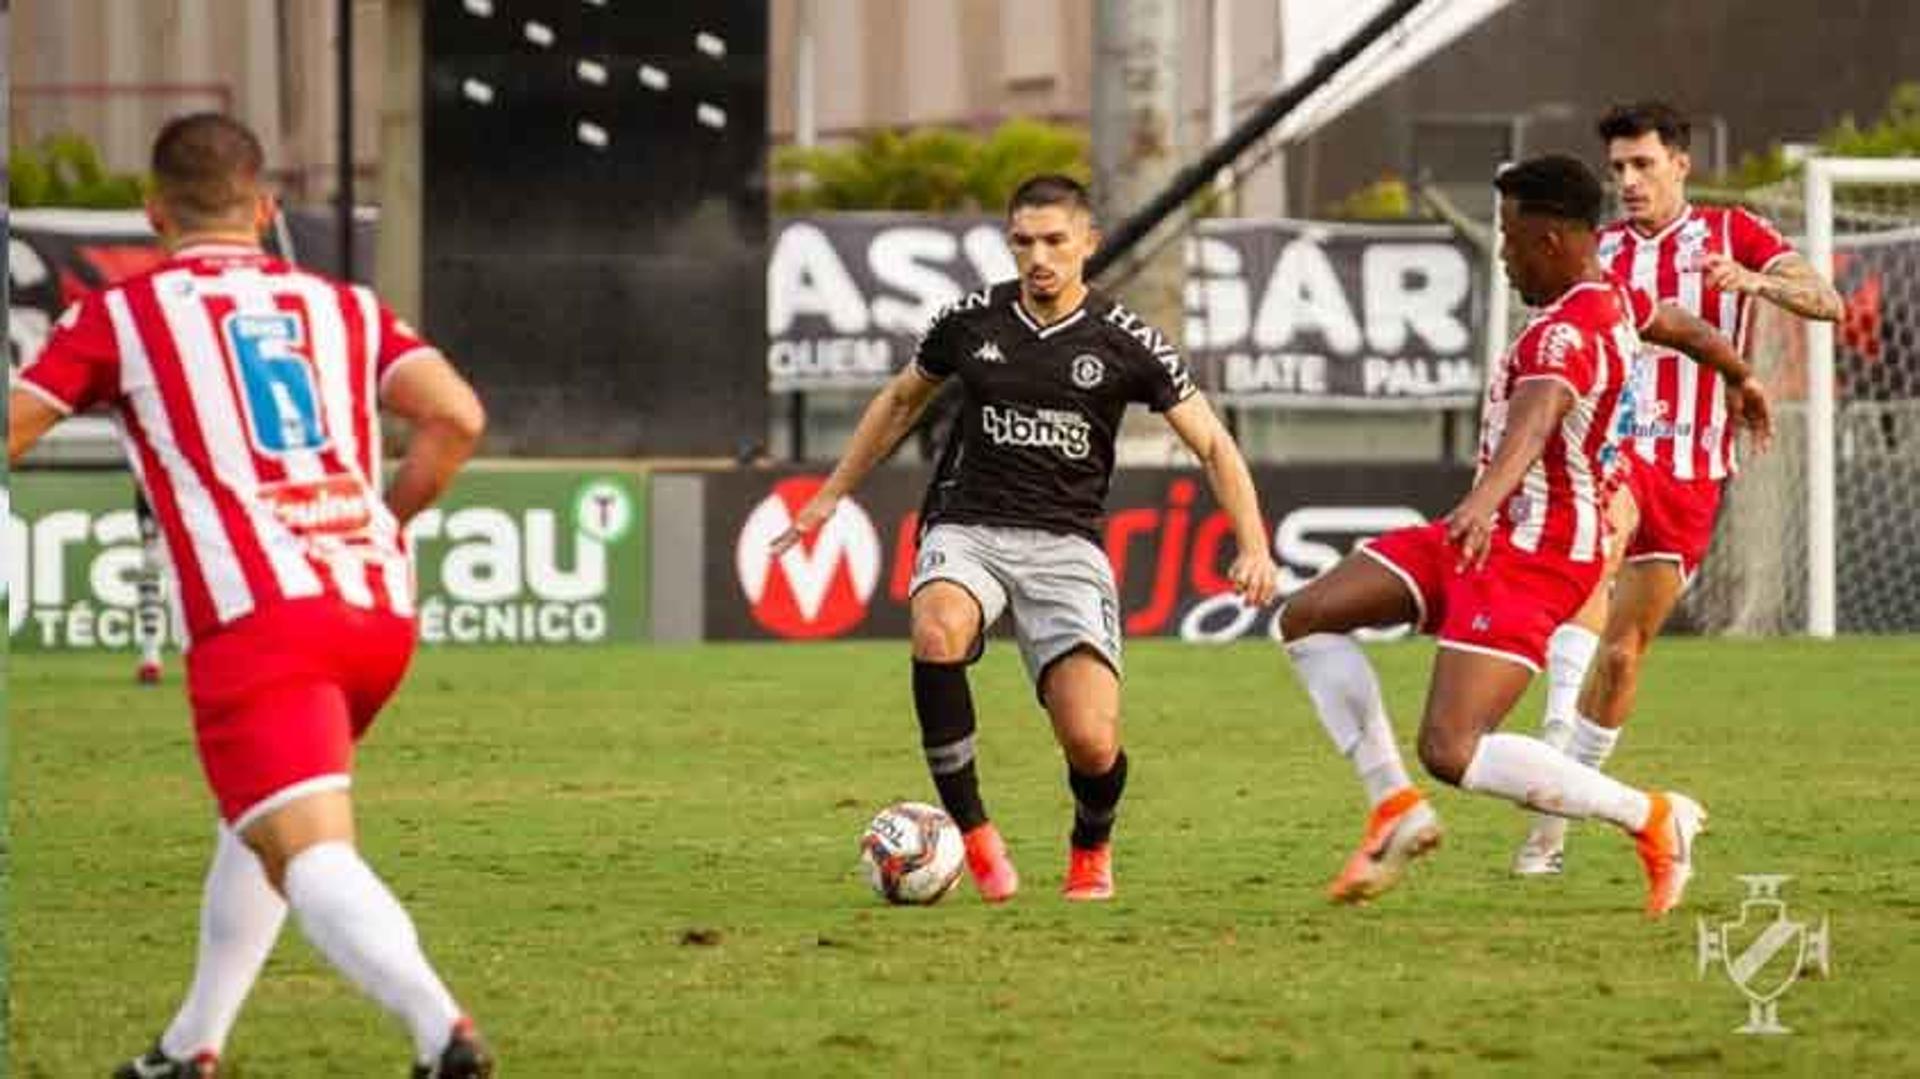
[(370, 318), (1646, 278), (188, 323), (1687, 397), (219, 566), (1574, 430)]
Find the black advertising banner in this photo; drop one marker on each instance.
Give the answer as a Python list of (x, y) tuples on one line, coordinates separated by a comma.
[(1333, 315), (848, 295), (1170, 546)]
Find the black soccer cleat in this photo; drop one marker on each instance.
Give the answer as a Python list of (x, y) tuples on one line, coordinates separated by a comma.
[(465, 1057), (156, 1064)]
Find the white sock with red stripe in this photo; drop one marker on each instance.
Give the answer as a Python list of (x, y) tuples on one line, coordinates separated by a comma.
[(361, 928), (240, 918), (1534, 774), (1346, 696), (1569, 654)]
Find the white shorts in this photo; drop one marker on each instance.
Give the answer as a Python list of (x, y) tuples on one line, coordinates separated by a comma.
[(1059, 587)]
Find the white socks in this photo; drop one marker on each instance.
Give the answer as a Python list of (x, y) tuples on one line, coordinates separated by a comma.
[(1569, 653), (240, 918), (361, 928), (1346, 695), (1592, 744), (1530, 772)]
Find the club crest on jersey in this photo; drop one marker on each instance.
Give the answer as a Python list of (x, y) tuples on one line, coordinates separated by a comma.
[(988, 352), (1559, 340), (1690, 246), (1609, 247), (1088, 371)]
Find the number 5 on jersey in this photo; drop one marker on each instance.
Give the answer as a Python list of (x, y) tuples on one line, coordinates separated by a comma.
[(282, 399)]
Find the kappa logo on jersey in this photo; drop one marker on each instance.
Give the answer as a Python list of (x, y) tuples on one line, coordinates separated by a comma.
[(1559, 340), (822, 585), (1088, 371), (1047, 428), (988, 352)]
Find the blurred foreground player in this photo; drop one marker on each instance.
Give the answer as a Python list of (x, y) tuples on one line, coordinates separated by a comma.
[(248, 392), (1047, 367), (1517, 556)]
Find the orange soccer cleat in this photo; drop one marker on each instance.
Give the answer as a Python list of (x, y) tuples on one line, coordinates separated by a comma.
[(1403, 827), (987, 861), (1089, 874), (1665, 844)]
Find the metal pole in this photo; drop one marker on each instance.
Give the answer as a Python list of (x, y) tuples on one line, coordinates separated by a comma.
[(1220, 88), (1191, 179), (805, 131), (1820, 408), (344, 135)]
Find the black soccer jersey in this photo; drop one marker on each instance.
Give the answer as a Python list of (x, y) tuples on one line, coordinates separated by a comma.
[(1040, 407)]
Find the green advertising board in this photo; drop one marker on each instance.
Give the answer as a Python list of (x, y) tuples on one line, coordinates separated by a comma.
[(510, 556)]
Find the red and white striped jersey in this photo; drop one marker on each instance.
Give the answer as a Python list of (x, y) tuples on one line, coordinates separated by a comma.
[(1586, 339), (247, 394), (1682, 424)]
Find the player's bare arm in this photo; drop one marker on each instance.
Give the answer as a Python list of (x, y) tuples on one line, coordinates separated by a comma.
[(1791, 284), (1535, 409), (1677, 328), (889, 416), (1254, 575), (447, 421), (29, 417)]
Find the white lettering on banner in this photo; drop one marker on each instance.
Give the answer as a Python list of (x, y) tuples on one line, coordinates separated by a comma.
[(1304, 296), (1414, 287), (1225, 618), (1411, 296), (1276, 372), (1069, 433), (864, 358), (916, 269), (898, 258), (1419, 377), (442, 622), (806, 278), (1218, 310)]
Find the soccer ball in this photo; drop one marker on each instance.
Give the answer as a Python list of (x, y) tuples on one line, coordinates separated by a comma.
[(912, 853)]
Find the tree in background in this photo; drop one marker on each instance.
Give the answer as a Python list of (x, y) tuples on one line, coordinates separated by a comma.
[(65, 170), (938, 170), (1895, 134)]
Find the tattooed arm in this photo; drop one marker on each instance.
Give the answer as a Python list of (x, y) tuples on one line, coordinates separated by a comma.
[(1791, 284)]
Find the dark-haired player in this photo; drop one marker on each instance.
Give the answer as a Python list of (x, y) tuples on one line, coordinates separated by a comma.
[(1518, 555), (1711, 261), (249, 392), (1046, 367)]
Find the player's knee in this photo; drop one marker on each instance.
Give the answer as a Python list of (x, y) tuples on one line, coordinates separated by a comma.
[(1445, 754), (943, 635), (1622, 656), (1092, 748), (1300, 616)]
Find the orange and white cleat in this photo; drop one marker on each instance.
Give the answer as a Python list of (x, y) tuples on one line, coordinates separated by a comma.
[(1403, 827), (987, 861), (1089, 874), (1665, 844)]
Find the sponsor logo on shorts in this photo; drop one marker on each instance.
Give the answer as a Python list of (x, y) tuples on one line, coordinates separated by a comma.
[(1065, 432)]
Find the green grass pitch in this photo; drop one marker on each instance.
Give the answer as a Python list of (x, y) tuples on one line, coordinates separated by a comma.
[(641, 861)]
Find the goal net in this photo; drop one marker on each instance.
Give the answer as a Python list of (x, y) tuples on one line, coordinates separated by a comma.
[(1818, 535)]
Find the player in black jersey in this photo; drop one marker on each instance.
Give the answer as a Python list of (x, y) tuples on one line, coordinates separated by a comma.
[(1046, 368)]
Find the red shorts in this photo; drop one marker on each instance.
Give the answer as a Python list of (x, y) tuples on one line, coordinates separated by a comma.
[(1508, 608), (281, 696), (1676, 517)]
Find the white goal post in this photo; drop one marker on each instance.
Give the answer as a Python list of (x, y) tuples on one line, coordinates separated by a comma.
[(1822, 175)]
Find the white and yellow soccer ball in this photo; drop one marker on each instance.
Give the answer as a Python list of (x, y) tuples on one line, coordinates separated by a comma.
[(912, 853)]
